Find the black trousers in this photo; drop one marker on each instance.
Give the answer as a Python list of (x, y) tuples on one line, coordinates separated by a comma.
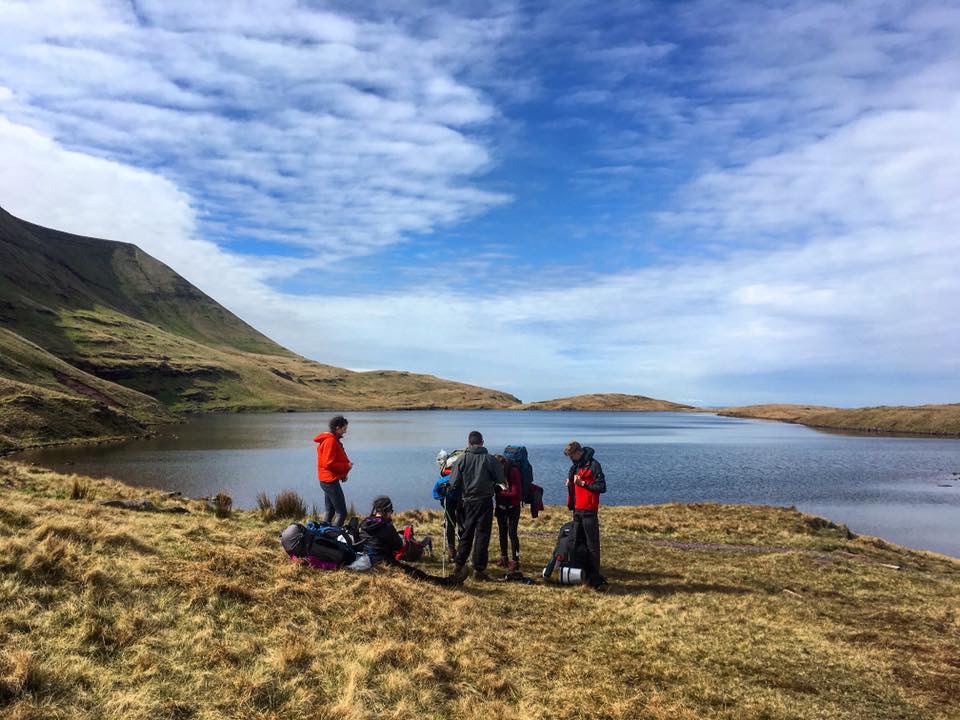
[(508, 520), (453, 522), (586, 528), (477, 523), (418, 574), (334, 502)]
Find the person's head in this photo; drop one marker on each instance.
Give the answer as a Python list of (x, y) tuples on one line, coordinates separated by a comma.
[(475, 439), (573, 450), (442, 458), (382, 506), (338, 425)]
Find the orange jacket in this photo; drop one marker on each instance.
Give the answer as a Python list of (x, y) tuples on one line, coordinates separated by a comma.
[(332, 461)]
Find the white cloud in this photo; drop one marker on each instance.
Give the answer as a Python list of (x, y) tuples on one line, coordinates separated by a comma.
[(830, 163)]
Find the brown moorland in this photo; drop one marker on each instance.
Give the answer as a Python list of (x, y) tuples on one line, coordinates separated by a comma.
[(732, 612), (605, 402), (919, 419)]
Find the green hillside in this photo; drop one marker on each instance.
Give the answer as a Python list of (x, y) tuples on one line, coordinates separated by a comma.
[(106, 327)]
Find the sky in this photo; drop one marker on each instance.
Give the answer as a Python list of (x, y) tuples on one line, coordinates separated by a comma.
[(713, 202)]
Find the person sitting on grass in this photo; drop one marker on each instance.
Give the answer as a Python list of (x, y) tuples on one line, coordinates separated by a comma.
[(382, 542)]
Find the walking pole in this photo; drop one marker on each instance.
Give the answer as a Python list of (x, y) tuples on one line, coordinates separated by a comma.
[(443, 560)]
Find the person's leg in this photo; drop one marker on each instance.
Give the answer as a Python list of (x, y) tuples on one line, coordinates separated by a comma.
[(467, 530), (418, 574), (328, 506), (484, 528), (502, 528), (339, 503), (591, 532), (450, 520), (513, 520)]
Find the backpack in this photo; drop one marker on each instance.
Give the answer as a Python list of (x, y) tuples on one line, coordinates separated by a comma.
[(413, 549), (320, 545), (517, 455), (568, 554)]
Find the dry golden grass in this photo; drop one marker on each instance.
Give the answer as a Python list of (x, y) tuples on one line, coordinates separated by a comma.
[(919, 419), (108, 613)]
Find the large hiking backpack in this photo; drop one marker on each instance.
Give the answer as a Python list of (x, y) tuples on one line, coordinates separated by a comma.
[(319, 544), (568, 554), (517, 454)]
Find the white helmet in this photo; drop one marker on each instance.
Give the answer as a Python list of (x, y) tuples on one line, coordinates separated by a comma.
[(442, 458)]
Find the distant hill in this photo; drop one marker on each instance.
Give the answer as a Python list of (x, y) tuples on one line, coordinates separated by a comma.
[(106, 329), (921, 419), (599, 402)]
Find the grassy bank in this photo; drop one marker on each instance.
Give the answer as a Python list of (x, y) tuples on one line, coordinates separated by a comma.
[(714, 611), (918, 419)]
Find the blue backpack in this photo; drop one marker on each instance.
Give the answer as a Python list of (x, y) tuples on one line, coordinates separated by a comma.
[(517, 454)]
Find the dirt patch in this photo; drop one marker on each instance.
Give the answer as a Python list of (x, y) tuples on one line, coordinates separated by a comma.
[(85, 390)]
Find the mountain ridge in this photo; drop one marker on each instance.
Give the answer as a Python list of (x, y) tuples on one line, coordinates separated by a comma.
[(114, 333)]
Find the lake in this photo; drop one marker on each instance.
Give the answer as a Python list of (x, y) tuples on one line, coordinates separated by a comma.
[(904, 489)]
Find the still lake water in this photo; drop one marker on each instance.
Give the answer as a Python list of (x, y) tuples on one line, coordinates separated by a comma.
[(886, 486)]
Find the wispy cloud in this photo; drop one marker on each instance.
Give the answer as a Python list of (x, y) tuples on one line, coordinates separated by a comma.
[(777, 183)]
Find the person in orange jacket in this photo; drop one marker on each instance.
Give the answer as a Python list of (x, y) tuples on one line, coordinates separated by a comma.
[(333, 466)]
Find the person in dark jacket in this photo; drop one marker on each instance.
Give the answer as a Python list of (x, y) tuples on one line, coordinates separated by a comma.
[(382, 541), (585, 483), (475, 476), (507, 512)]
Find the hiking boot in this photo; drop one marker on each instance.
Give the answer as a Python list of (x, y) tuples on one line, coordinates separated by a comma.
[(513, 566), (481, 576), (459, 574), (600, 584), (502, 562)]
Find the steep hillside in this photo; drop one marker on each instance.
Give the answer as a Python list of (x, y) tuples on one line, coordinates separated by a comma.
[(105, 324), (922, 419), (600, 402)]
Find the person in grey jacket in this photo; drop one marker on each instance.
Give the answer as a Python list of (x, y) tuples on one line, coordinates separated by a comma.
[(476, 476)]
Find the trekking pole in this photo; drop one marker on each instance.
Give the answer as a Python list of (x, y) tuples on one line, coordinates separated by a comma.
[(443, 559)]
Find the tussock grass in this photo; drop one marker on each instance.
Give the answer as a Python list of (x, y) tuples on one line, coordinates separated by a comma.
[(111, 613), (288, 504), (80, 489), (222, 505)]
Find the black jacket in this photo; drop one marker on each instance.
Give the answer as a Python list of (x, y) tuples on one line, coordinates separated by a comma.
[(476, 473), (380, 538)]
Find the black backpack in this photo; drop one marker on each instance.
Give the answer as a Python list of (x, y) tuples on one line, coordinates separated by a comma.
[(517, 455), (302, 541), (568, 552)]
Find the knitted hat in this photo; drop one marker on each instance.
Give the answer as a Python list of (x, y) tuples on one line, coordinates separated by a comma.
[(382, 505)]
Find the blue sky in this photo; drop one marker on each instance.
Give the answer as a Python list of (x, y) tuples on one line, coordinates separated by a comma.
[(712, 202)]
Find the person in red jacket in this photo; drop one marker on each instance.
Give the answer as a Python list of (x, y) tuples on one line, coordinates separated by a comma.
[(333, 466), (585, 482), (507, 512)]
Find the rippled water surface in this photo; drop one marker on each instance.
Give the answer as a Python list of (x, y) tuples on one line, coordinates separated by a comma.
[(904, 489)]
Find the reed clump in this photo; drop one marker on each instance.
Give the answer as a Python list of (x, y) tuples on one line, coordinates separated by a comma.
[(289, 504)]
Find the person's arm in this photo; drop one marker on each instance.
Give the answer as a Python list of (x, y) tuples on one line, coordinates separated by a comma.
[(456, 481), (334, 458)]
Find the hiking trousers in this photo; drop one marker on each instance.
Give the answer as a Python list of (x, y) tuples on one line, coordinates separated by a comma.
[(334, 503), (477, 519), (586, 528), (508, 520), (452, 512)]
